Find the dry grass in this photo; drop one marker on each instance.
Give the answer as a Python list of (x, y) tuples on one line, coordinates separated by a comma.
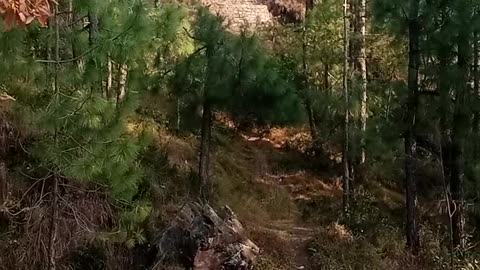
[(83, 212)]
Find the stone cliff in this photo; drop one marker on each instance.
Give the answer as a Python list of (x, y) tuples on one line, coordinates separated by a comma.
[(255, 12)]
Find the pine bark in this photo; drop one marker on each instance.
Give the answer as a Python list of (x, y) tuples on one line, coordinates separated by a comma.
[(308, 100), (445, 143), (326, 82), (52, 252), (362, 72), (3, 182), (109, 81), (444, 87), (206, 132), (476, 86), (204, 163), (93, 27), (53, 226), (457, 177), (122, 82), (345, 156), (413, 239)]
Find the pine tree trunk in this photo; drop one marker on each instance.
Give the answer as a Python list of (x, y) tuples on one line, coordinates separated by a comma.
[(444, 90), (346, 167), (3, 183), (460, 124), (308, 101), (362, 70), (72, 19), (206, 184), (445, 143), (413, 240), (476, 87), (326, 82), (204, 164), (92, 28), (53, 226), (52, 252), (108, 83), (122, 82), (178, 117)]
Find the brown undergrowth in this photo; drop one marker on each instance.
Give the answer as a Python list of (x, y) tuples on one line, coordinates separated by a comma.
[(288, 198)]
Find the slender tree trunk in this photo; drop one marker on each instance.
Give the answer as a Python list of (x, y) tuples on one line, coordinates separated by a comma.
[(460, 124), (109, 81), (204, 164), (346, 167), (3, 182), (326, 82), (92, 28), (206, 186), (72, 19), (308, 100), (476, 58), (413, 239), (476, 87), (4, 130), (448, 203), (53, 226), (362, 70), (122, 82), (444, 91), (178, 117), (445, 144), (54, 215)]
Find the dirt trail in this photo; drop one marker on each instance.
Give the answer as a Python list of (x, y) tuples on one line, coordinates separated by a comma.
[(289, 238)]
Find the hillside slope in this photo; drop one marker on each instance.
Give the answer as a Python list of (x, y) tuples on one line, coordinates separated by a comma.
[(291, 202)]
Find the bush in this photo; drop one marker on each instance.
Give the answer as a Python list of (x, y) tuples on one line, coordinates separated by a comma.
[(332, 251)]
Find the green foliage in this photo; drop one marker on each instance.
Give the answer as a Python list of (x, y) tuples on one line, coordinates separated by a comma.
[(236, 74)]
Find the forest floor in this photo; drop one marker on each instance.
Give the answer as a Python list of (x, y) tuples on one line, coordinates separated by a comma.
[(287, 170), (291, 202), (303, 198)]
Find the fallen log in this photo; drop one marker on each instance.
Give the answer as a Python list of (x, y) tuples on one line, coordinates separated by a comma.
[(201, 239)]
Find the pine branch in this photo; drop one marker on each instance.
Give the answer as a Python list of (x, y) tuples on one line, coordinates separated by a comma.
[(86, 52), (79, 107), (197, 51)]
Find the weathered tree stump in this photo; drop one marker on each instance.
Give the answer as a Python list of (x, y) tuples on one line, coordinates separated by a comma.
[(200, 239)]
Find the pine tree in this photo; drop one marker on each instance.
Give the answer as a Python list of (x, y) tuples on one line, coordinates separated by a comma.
[(460, 122), (360, 59), (308, 101), (234, 75), (59, 75), (413, 241), (346, 128)]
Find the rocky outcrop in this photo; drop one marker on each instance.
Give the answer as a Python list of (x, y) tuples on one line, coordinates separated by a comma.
[(239, 13), (253, 13)]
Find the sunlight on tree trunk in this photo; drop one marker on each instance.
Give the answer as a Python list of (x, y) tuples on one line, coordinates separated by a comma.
[(122, 82), (109, 81), (362, 70)]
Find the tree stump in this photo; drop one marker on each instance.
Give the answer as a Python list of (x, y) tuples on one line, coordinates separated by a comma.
[(200, 239)]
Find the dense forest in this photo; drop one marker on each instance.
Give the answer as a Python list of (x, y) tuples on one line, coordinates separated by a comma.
[(147, 134)]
